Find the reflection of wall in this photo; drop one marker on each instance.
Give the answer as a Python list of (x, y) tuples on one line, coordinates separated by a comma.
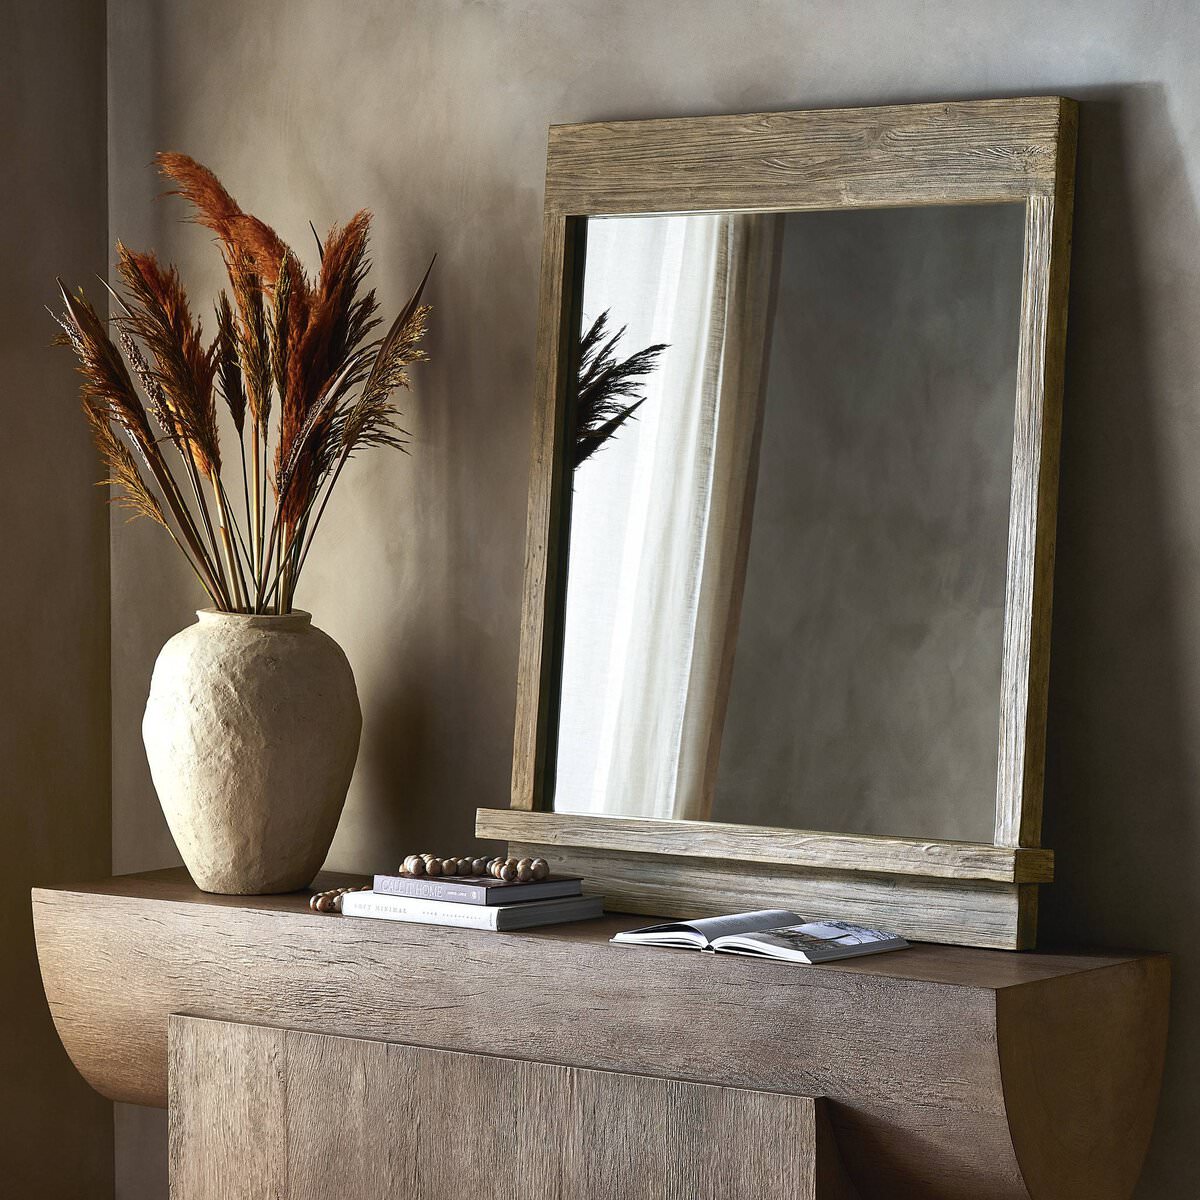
[(56, 1136), (866, 685), (435, 112)]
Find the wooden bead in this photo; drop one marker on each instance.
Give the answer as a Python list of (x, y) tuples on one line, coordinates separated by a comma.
[(506, 869), (331, 900)]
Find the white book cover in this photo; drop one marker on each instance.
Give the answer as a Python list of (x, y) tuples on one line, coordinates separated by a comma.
[(471, 916)]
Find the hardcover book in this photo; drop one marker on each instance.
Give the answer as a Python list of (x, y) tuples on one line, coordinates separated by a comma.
[(477, 889), (501, 917), (769, 933)]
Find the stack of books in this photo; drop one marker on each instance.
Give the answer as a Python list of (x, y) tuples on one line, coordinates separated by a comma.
[(474, 902)]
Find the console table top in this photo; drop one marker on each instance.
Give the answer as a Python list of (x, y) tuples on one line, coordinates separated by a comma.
[(925, 962)]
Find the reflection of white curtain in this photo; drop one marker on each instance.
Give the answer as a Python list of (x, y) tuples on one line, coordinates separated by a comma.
[(660, 519)]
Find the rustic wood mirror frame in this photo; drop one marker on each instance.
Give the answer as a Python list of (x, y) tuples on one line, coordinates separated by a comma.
[(972, 152)]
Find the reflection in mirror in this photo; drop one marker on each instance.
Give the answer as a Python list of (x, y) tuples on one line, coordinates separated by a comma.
[(786, 568)]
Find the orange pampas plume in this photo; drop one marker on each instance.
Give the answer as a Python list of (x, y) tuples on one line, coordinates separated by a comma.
[(240, 233)]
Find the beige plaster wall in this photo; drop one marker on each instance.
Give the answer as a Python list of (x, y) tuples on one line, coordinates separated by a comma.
[(56, 1137), (434, 112)]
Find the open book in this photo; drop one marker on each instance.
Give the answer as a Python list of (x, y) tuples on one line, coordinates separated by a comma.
[(770, 933)]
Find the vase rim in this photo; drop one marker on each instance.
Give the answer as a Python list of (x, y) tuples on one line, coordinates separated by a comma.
[(296, 619)]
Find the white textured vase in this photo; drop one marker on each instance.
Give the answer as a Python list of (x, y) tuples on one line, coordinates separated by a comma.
[(252, 731)]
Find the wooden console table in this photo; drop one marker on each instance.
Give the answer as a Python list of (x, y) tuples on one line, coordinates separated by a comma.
[(945, 1072)]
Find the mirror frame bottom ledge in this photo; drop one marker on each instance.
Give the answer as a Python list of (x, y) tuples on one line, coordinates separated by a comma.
[(956, 893)]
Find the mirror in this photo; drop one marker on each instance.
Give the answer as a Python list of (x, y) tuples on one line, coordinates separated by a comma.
[(785, 635), (788, 519)]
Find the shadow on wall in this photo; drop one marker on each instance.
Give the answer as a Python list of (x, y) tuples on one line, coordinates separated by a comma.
[(1121, 775)]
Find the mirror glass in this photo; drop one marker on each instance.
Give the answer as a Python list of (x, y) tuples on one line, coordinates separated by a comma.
[(791, 448)]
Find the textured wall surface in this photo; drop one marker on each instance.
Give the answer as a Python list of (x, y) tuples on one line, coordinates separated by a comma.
[(56, 1137), (434, 113)]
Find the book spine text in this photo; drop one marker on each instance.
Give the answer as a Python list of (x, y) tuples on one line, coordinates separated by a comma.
[(424, 889), (421, 912)]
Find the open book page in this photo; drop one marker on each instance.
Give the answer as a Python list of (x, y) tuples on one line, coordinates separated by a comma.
[(701, 933), (814, 942)]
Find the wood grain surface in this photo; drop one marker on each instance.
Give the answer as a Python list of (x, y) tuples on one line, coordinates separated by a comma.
[(260, 1113), (925, 1055), (964, 152), (763, 844), (999, 916), (1033, 505)]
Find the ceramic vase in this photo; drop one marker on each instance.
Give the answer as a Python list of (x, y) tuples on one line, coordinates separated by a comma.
[(251, 730)]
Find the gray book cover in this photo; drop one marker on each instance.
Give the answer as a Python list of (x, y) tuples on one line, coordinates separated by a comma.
[(477, 889)]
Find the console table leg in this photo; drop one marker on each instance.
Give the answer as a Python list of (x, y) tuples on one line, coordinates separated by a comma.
[(277, 1114)]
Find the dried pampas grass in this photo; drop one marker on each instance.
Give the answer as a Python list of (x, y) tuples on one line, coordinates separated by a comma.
[(288, 345)]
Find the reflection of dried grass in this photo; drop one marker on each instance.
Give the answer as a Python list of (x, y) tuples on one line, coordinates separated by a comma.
[(285, 344), (609, 388)]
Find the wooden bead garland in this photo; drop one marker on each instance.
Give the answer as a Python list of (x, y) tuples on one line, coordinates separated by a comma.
[(509, 870), (331, 901)]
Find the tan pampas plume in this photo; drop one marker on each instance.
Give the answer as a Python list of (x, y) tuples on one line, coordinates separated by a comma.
[(286, 346), (131, 490)]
